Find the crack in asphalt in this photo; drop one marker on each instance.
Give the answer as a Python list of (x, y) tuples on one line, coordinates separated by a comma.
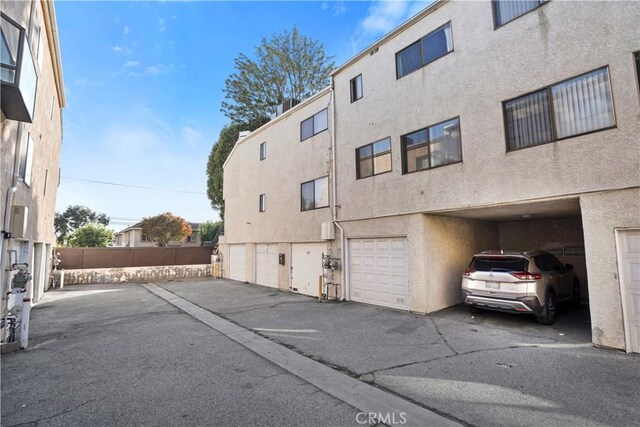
[(66, 411)]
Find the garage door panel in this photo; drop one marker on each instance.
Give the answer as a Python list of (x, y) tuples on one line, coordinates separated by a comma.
[(267, 265), (628, 242), (237, 259), (378, 271)]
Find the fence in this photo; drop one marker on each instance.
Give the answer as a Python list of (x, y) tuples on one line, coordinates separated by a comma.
[(85, 258)]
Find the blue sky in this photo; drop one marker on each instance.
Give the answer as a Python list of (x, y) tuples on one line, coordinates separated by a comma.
[(144, 84)]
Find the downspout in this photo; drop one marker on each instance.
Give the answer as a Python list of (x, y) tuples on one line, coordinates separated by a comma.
[(6, 224), (334, 193)]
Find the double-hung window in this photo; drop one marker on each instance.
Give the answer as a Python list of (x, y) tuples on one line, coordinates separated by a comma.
[(507, 10), (356, 88), (313, 125), (434, 146), (263, 151), (262, 203), (314, 194), (373, 159), (26, 157), (580, 105), (434, 45)]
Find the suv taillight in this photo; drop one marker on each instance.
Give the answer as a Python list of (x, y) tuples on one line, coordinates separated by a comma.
[(525, 275), (468, 272)]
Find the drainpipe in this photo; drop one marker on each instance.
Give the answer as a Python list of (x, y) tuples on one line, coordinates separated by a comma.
[(334, 191)]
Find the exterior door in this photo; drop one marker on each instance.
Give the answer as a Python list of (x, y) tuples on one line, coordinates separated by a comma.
[(267, 265), (378, 272), (306, 267), (237, 260), (628, 248)]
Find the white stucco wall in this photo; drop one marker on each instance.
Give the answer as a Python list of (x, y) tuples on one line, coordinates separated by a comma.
[(557, 41), (602, 213)]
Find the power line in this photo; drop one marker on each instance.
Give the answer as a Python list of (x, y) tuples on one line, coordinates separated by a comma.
[(93, 181)]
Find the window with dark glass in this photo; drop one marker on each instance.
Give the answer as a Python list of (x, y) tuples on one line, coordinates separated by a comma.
[(429, 48), (507, 10), (356, 88), (580, 105), (638, 68), (263, 151), (314, 194), (434, 146), (313, 125), (191, 238), (373, 159), (262, 203)]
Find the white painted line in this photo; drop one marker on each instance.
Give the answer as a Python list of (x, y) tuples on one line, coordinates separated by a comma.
[(358, 394), (291, 331)]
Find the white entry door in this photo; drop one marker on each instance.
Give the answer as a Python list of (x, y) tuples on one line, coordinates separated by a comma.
[(237, 259), (628, 243), (306, 267), (267, 265), (378, 271)]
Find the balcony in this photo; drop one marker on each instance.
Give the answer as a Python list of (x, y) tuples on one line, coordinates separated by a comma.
[(18, 72)]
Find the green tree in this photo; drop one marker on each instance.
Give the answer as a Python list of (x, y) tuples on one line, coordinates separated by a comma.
[(287, 65), (219, 153), (92, 235), (73, 218), (165, 227), (208, 230)]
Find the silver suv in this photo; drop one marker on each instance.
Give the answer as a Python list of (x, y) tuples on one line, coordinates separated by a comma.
[(530, 282)]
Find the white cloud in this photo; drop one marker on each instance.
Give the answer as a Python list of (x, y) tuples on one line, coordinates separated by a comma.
[(161, 26), (126, 30), (338, 7), (153, 70), (130, 64), (190, 136), (381, 18), (117, 49)]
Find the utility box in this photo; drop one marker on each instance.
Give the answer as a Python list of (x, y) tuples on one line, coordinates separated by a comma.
[(19, 216), (328, 231)]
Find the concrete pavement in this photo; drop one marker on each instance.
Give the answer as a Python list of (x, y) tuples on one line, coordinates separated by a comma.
[(105, 355), (486, 369)]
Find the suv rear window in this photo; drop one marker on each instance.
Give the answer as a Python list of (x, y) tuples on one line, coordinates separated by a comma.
[(499, 263)]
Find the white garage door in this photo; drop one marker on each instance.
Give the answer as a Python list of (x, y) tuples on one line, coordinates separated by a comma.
[(267, 265), (306, 267), (628, 242), (378, 271), (237, 258)]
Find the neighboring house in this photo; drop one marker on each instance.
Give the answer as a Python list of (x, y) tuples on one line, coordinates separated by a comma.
[(32, 102), (132, 237), (473, 126)]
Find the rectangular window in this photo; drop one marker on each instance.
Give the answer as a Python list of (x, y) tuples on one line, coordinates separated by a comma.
[(507, 10), (313, 125), (576, 106), (263, 151), (46, 177), (191, 238), (314, 194), (373, 159), (356, 88), (434, 146), (262, 203), (434, 45), (145, 238), (26, 157), (637, 54)]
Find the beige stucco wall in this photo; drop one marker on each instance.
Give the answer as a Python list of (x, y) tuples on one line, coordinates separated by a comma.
[(46, 133), (557, 41), (289, 163), (450, 243), (602, 213), (546, 234)]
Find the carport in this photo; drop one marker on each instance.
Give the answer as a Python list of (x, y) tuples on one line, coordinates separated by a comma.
[(554, 225)]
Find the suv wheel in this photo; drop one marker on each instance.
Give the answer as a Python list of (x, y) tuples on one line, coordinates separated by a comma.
[(548, 315)]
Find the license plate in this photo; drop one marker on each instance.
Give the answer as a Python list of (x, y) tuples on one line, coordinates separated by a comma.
[(492, 285)]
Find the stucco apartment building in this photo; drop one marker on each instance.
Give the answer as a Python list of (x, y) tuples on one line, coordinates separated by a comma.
[(32, 102), (473, 126)]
